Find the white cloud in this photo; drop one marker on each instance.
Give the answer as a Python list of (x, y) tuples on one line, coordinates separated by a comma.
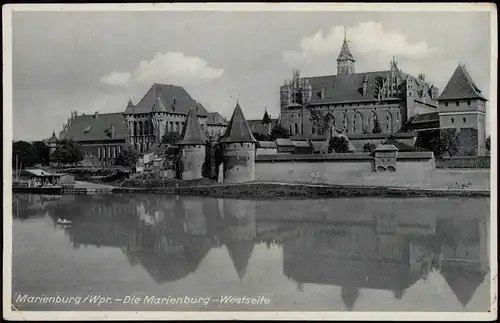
[(116, 79), (365, 38), (171, 68)]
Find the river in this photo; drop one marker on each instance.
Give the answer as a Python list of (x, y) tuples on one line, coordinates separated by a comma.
[(152, 252)]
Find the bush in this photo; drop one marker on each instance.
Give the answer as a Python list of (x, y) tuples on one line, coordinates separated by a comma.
[(338, 145), (369, 147), (128, 157)]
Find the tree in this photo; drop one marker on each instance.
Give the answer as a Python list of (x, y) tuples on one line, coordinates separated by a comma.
[(278, 131), (25, 153), (338, 145), (376, 127), (448, 142), (369, 147), (67, 152), (261, 136), (488, 143), (128, 157), (171, 138), (317, 117), (42, 152)]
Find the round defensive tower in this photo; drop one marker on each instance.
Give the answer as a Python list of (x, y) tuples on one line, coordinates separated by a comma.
[(192, 148), (238, 145)]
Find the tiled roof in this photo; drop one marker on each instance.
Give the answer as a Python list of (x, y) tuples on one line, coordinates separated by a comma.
[(426, 117), (238, 130), (98, 125), (461, 86), (384, 147), (257, 126), (175, 99), (398, 144), (214, 118), (284, 142), (344, 88), (266, 144), (192, 133), (301, 144)]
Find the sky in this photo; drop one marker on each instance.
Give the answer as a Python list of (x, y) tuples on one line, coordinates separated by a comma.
[(95, 61)]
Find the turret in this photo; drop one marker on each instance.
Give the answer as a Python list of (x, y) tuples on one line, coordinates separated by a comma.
[(238, 144), (345, 60), (192, 148)]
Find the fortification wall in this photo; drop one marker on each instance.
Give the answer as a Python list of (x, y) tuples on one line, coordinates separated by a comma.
[(193, 158), (413, 169), (239, 162)]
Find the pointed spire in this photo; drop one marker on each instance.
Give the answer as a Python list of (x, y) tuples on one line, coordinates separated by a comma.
[(159, 106), (191, 133), (238, 129), (345, 52), (266, 119)]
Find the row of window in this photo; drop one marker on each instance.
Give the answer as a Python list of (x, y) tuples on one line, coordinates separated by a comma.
[(463, 119), (458, 103)]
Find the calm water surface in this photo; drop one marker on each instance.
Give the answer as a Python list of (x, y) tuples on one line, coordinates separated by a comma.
[(351, 254)]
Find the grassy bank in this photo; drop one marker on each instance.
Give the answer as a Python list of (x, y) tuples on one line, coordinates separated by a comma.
[(275, 190)]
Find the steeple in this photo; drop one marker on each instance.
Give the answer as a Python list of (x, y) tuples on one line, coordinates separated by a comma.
[(192, 133), (345, 60), (130, 107), (266, 119)]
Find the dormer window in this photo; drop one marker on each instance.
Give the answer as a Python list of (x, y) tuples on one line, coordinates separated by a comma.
[(446, 103), (468, 102), (458, 103)]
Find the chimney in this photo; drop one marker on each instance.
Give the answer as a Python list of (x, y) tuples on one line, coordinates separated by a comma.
[(365, 82), (113, 131), (323, 93), (95, 114)]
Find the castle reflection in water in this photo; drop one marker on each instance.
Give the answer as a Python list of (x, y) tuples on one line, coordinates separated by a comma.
[(170, 237)]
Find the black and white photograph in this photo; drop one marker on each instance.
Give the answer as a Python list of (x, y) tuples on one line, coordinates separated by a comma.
[(250, 161)]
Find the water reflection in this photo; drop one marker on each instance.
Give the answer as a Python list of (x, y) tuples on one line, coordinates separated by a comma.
[(169, 237)]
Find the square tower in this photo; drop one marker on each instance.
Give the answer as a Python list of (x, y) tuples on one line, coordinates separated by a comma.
[(461, 106)]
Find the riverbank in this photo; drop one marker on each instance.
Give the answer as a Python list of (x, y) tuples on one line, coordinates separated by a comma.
[(268, 190)]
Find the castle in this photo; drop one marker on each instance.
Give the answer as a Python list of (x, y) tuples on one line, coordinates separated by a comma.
[(395, 101), (364, 106)]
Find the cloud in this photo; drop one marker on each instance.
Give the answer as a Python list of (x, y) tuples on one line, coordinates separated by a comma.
[(172, 68), (365, 38), (116, 79)]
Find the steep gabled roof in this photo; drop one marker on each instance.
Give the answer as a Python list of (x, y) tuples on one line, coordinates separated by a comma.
[(238, 129), (175, 98), (130, 107), (461, 86), (192, 133), (345, 88), (98, 126)]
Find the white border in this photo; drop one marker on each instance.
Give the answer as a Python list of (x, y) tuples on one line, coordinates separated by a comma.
[(89, 315)]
